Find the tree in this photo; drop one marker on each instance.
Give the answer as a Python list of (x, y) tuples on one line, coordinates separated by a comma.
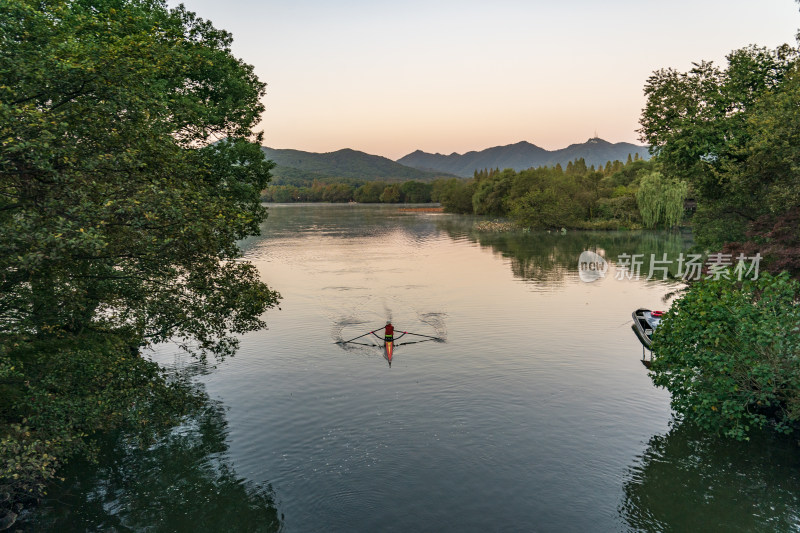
[(117, 211), (455, 195), (370, 192), (579, 167), (727, 357), (700, 125), (129, 172), (545, 198), (589, 192), (491, 193), (282, 193), (391, 194), (337, 192), (661, 200), (416, 192)]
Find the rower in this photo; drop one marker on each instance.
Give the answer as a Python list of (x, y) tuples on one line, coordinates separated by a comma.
[(388, 332)]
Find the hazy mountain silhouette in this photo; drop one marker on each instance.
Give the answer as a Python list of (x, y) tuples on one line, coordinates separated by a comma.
[(294, 165), (521, 156)]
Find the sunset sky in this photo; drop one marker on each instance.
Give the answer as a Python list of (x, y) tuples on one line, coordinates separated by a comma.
[(447, 76)]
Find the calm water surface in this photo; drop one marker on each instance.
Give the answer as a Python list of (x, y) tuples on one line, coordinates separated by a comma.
[(536, 414)]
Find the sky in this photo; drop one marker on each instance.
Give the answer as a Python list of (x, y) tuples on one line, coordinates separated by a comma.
[(443, 76)]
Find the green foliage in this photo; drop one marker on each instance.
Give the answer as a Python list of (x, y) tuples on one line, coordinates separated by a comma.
[(416, 192), (338, 193), (661, 200), (620, 175), (116, 211), (370, 192), (729, 354), (547, 197), (579, 197), (622, 209), (716, 129), (299, 168), (391, 194), (546, 208), (491, 193), (333, 190), (129, 172), (455, 195), (772, 151), (577, 167)]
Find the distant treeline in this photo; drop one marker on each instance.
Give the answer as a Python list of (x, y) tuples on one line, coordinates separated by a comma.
[(629, 194), (577, 196), (352, 190)]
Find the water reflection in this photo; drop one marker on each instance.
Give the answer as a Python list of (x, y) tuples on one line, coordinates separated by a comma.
[(342, 221), (689, 481), (551, 257), (521, 421), (185, 482)]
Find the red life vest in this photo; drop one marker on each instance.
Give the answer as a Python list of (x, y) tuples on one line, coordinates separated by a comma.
[(389, 330)]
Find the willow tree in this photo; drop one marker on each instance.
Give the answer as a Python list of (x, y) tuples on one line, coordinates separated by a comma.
[(660, 200), (128, 171)]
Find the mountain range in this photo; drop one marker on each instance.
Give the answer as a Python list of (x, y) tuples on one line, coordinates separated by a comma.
[(523, 155), (297, 167)]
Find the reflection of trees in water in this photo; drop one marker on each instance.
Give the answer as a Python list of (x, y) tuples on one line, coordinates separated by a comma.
[(689, 481), (539, 256), (551, 257), (183, 483), (340, 221)]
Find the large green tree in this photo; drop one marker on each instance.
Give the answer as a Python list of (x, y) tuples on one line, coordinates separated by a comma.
[(728, 350), (702, 125), (128, 171), (727, 353)]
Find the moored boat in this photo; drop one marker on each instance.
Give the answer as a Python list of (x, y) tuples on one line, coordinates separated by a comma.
[(645, 322)]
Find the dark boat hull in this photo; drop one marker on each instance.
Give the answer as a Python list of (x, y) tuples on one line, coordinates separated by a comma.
[(643, 325)]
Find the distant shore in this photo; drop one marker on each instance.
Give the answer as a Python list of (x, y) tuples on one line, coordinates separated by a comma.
[(438, 209)]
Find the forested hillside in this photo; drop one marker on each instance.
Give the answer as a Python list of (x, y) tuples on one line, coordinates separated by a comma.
[(523, 155), (295, 167)]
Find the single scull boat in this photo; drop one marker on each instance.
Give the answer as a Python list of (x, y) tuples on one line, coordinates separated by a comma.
[(390, 344)]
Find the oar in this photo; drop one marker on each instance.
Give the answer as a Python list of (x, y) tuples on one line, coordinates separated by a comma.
[(420, 335), (354, 338), (362, 344), (414, 342)]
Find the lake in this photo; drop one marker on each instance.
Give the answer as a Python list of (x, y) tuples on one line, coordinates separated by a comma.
[(534, 413)]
